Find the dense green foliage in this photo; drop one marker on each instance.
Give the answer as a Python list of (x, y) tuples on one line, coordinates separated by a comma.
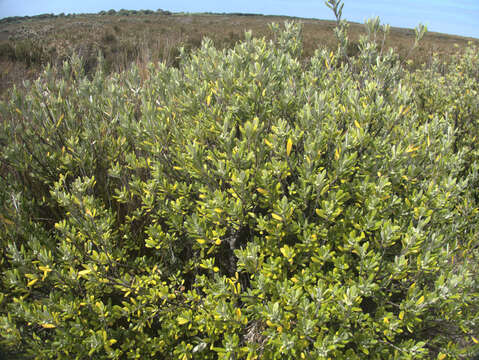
[(242, 206)]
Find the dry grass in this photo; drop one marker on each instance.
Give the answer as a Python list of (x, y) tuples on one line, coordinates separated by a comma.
[(27, 45)]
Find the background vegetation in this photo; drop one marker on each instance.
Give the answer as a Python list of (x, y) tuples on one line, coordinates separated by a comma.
[(245, 203), (29, 43)]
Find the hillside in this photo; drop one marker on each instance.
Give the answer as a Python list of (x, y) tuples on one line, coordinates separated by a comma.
[(28, 43)]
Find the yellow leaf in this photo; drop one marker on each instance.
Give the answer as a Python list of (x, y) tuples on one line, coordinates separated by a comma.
[(406, 110), (289, 146), (84, 272), (441, 356), (336, 154), (420, 301), (201, 241), (401, 315), (238, 313), (182, 320), (112, 341), (45, 269), (411, 148), (262, 191), (48, 326), (216, 269), (268, 143), (18, 111), (32, 282), (218, 210), (60, 120), (357, 124), (208, 100), (276, 217), (218, 242), (284, 251), (475, 340)]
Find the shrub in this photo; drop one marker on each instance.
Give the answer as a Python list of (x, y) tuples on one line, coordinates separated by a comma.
[(124, 12), (29, 52), (109, 37), (163, 12), (243, 206)]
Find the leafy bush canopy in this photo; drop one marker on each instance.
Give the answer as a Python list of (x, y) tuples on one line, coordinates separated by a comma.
[(243, 206)]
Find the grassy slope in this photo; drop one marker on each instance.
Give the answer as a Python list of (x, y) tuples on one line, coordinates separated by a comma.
[(26, 45)]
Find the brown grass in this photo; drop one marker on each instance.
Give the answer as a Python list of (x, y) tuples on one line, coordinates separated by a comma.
[(28, 45)]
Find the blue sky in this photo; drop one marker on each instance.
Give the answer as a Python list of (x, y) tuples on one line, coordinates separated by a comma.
[(459, 17)]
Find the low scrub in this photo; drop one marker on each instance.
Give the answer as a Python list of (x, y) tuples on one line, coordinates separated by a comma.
[(243, 205)]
